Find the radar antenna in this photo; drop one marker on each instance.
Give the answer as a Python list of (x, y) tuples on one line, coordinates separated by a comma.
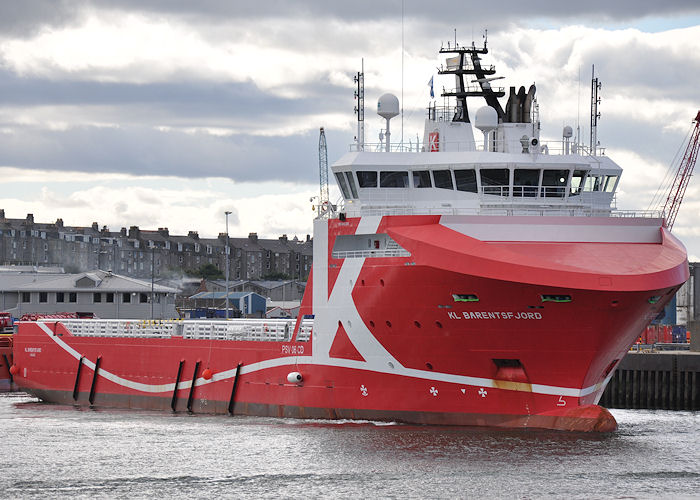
[(467, 61)]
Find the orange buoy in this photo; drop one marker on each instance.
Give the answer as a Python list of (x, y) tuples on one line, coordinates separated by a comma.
[(206, 374), (14, 369)]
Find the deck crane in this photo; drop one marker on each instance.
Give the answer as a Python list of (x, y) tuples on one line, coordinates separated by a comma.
[(323, 202), (683, 175)]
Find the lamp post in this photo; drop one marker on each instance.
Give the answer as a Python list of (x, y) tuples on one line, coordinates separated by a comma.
[(227, 260)]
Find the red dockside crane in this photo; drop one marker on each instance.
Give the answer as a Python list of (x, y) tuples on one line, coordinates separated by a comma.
[(683, 175)]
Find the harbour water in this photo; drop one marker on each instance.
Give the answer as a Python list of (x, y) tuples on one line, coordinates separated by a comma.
[(53, 451)]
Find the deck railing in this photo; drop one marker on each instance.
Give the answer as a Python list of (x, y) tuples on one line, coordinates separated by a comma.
[(269, 330)]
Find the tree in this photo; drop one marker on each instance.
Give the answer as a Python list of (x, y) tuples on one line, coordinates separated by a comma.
[(206, 271), (276, 276)]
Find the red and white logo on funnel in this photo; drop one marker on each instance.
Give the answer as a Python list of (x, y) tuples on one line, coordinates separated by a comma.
[(434, 141)]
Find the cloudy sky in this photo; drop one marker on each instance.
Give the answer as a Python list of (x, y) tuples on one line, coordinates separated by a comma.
[(167, 113)]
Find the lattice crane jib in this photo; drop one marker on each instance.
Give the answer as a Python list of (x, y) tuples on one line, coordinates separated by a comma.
[(683, 175), (323, 172)]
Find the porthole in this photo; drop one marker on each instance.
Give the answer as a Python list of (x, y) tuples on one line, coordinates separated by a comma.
[(556, 298), (465, 297)]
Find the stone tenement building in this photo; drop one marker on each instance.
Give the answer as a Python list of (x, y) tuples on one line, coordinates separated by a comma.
[(132, 252)]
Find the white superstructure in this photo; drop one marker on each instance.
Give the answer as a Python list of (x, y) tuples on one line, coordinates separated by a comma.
[(505, 170)]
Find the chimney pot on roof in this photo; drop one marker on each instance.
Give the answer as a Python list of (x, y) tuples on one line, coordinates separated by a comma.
[(122, 231), (193, 234), (95, 226), (30, 218), (164, 231), (253, 236), (2, 214), (134, 232), (59, 222), (283, 237), (308, 237)]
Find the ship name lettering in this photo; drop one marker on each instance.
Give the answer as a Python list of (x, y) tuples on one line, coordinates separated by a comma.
[(494, 315)]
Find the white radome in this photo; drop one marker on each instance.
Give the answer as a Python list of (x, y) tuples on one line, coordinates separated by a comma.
[(388, 106)]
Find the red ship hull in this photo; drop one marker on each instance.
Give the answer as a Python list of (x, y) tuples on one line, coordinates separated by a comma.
[(6, 378), (455, 330)]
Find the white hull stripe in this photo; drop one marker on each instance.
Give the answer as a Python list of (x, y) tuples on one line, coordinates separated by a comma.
[(333, 362)]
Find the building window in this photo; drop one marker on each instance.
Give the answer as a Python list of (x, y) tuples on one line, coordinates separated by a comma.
[(73, 297), (26, 297), (143, 298), (97, 297), (109, 297), (43, 297), (126, 298), (60, 297)]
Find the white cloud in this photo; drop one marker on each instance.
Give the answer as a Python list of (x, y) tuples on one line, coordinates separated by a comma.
[(649, 87)]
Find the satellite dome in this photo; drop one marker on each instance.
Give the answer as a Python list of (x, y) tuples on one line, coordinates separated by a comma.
[(388, 106), (486, 119), (568, 132)]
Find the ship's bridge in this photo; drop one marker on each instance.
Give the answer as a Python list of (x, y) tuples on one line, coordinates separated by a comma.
[(476, 182)]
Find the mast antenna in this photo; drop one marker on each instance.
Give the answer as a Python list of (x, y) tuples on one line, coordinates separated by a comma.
[(403, 51), (360, 107), (595, 115)]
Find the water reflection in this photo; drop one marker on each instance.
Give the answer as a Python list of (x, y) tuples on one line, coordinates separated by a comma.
[(61, 450)]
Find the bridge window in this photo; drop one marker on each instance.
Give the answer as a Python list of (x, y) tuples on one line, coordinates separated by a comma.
[(443, 179), (610, 181), (367, 179), (495, 181), (554, 183), (592, 183), (421, 179), (577, 182), (525, 182), (343, 185), (466, 180), (393, 179), (351, 183)]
